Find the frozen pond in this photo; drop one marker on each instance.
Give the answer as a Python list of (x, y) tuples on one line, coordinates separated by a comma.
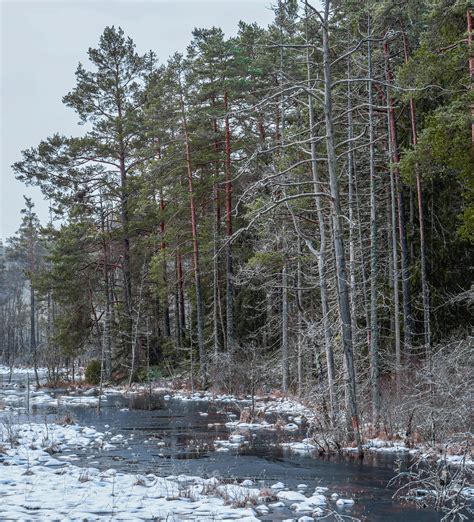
[(172, 437)]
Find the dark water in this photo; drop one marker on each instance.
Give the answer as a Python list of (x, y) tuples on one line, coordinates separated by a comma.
[(173, 437)]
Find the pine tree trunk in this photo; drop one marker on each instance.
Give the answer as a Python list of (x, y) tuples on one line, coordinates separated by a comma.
[(216, 305), (393, 229), (33, 344), (33, 340), (470, 29), (197, 272), (354, 219), (215, 272), (424, 280), (126, 265), (230, 330), (107, 333), (179, 333), (405, 272), (166, 306), (104, 225), (411, 236), (182, 309), (374, 364), (124, 211)]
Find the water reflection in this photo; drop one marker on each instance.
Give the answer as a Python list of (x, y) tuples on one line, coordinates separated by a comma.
[(168, 437)]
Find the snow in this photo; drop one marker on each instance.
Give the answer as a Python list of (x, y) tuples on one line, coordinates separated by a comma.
[(82, 400), (276, 505), (227, 445), (303, 447), (236, 438), (262, 509), (345, 502), (277, 486), (389, 446), (468, 492), (458, 460), (5, 370), (288, 406), (386, 446), (15, 398), (302, 504), (36, 485), (249, 425), (291, 496), (321, 490), (238, 494), (317, 500)]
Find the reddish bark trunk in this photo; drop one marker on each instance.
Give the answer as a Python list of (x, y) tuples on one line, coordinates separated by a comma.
[(470, 28), (166, 310), (407, 316), (182, 313), (424, 282), (197, 273), (228, 219)]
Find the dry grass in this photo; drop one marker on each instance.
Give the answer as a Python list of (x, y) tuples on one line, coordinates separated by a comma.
[(84, 476), (67, 420)]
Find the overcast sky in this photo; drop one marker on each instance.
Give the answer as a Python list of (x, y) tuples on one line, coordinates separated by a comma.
[(41, 45)]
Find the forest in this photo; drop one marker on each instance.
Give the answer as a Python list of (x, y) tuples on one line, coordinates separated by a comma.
[(286, 211)]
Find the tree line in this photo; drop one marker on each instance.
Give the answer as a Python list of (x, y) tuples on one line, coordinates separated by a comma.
[(289, 208)]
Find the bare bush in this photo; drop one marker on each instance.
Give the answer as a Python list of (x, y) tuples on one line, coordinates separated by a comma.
[(439, 485)]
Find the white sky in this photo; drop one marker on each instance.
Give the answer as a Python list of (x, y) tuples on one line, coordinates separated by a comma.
[(43, 41)]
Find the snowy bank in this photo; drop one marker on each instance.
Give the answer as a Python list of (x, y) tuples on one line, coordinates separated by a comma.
[(421, 450), (37, 485)]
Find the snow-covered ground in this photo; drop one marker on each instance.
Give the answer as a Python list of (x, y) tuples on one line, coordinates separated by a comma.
[(5, 370), (421, 450), (36, 484), (39, 483), (16, 397)]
